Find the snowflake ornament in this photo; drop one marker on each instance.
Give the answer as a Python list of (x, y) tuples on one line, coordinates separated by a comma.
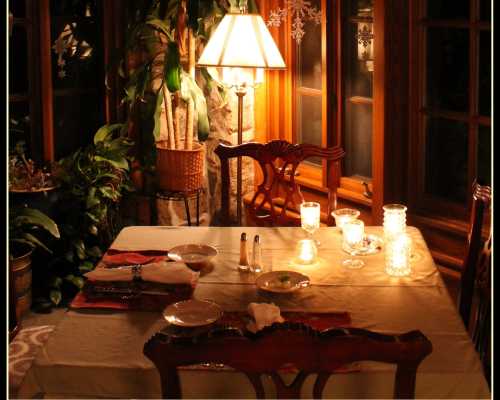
[(299, 10)]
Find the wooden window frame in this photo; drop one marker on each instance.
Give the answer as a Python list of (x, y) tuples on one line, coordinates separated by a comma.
[(422, 202)]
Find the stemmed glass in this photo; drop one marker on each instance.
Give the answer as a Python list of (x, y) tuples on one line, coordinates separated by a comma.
[(309, 218), (353, 232)]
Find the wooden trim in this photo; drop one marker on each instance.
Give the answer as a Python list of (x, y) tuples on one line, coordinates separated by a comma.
[(305, 91), (360, 100), (46, 81)]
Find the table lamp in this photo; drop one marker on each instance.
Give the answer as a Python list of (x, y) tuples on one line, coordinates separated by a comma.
[(244, 47)]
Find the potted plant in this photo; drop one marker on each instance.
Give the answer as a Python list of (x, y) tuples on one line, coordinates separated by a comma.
[(26, 225)]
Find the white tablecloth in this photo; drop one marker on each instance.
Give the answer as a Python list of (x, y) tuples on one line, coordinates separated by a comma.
[(98, 354)]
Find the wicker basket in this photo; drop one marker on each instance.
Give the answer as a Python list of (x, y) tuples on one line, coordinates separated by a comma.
[(179, 170)]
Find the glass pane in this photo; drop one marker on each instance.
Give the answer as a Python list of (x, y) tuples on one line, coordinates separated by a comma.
[(358, 140), (448, 9), (484, 155), (358, 60), (485, 73), (448, 69), (360, 8), (18, 61), (17, 8), (309, 54), (74, 63), (309, 122), (446, 159), (485, 11), (76, 119), (19, 124)]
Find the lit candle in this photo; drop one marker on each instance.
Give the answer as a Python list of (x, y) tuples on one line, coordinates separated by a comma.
[(307, 251), (309, 216), (394, 220), (397, 255), (353, 232), (344, 215)]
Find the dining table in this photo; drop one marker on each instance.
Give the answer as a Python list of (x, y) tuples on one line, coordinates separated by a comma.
[(98, 353)]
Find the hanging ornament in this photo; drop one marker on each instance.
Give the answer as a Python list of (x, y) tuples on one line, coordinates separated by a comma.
[(300, 11)]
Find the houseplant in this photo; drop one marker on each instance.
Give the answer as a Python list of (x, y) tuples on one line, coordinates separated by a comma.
[(27, 227), (92, 181)]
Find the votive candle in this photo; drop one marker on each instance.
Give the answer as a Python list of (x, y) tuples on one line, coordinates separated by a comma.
[(353, 232), (310, 216), (307, 251), (394, 220), (397, 255)]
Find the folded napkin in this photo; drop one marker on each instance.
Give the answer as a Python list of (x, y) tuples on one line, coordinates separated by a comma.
[(117, 258), (264, 314), (160, 272)]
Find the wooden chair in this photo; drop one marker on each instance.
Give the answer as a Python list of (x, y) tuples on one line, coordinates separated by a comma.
[(475, 284), (278, 196), (481, 199), (310, 351)]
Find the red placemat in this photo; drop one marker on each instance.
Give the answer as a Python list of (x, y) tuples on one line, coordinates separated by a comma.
[(117, 257)]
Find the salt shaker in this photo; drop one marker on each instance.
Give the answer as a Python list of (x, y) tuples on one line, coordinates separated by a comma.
[(256, 265), (243, 266)]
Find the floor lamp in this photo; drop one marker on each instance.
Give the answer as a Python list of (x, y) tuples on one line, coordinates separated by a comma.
[(243, 46)]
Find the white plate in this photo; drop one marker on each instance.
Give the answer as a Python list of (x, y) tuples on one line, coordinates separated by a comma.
[(191, 313), (282, 281), (192, 253)]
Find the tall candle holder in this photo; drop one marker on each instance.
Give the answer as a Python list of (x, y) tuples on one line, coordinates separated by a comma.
[(397, 255), (394, 220), (353, 234), (310, 218)]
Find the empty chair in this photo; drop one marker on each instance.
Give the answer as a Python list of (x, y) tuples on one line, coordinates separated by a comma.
[(277, 198), (310, 351)]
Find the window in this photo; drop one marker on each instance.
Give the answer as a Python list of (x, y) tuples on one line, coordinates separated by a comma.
[(333, 90), (453, 103)]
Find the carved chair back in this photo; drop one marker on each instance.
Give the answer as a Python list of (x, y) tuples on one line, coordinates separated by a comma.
[(279, 192), (481, 199), (287, 344)]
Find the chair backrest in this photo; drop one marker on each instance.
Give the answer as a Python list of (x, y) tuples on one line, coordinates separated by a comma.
[(481, 199), (286, 344), (278, 160)]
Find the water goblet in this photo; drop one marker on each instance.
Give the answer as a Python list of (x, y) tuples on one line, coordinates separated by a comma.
[(353, 233), (310, 217), (343, 215)]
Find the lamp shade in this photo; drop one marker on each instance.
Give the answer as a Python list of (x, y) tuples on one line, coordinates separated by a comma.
[(242, 40)]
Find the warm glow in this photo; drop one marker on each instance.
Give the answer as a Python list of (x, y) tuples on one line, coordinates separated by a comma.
[(235, 76), (310, 216), (242, 40), (397, 257), (344, 215), (353, 232), (394, 220), (307, 251)]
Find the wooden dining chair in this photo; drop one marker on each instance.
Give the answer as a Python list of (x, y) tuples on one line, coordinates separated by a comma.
[(481, 199), (285, 344), (276, 200)]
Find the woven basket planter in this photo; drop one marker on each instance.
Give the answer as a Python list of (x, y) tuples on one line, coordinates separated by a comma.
[(179, 170)]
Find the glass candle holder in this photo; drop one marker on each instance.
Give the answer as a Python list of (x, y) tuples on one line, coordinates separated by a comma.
[(344, 215), (353, 232), (310, 217), (397, 255), (394, 220), (306, 251)]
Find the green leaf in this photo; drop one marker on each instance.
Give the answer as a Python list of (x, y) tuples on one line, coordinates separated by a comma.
[(55, 296), (106, 130), (92, 200), (173, 67), (190, 90), (161, 26), (94, 252), (31, 216), (79, 248), (55, 282), (35, 242), (120, 163), (108, 192), (85, 266), (78, 281)]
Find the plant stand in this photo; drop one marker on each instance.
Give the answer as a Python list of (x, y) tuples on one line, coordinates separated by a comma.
[(178, 195)]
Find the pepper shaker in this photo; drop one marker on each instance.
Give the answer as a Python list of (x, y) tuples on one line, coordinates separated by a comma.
[(256, 265), (243, 266)]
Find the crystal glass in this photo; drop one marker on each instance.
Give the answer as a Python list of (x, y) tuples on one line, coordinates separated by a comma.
[(342, 215), (394, 220), (309, 217), (397, 255), (353, 232)]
